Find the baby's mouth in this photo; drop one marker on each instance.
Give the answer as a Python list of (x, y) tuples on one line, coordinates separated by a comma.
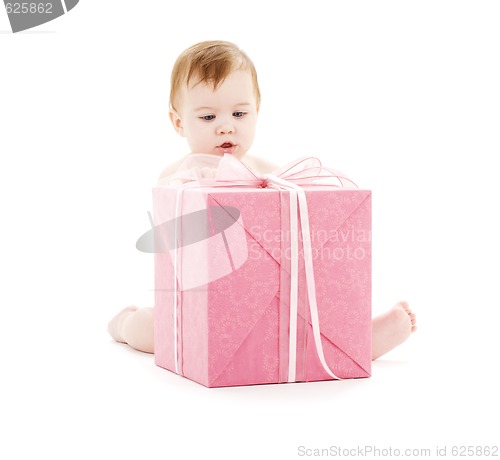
[(226, 147)]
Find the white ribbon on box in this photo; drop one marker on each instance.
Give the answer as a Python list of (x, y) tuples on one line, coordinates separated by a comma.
[(231, 172)]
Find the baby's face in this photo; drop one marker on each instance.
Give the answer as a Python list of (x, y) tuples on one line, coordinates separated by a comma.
[(220, 121)]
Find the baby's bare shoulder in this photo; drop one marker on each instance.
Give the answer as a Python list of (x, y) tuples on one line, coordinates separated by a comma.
[(171, 169)]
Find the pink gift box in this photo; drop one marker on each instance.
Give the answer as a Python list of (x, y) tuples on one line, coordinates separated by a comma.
[(230, 322)]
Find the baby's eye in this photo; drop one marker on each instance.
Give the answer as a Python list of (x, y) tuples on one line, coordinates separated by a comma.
[(208, 117), (238, 114)]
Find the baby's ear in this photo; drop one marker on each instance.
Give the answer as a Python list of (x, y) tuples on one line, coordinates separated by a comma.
[(176, 122)]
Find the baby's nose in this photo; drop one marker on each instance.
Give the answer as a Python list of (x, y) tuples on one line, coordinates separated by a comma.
[(225, 128)]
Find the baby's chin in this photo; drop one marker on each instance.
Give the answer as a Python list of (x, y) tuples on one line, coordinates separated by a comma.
[(238, 154)]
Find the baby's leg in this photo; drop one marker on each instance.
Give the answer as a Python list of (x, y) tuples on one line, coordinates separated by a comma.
[(134, 326), (392, 329)]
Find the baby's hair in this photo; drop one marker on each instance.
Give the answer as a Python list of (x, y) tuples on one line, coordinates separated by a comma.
[(209, 62)]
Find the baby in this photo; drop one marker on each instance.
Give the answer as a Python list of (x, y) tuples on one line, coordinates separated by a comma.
[(214, 103)]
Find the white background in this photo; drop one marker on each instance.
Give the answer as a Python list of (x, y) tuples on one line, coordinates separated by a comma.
[(402, 96)]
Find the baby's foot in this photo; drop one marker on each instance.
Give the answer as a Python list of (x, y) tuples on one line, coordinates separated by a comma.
[(392, 329), (115, 325)]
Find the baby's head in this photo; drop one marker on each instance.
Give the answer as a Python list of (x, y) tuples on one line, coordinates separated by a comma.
[(215, 98)]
